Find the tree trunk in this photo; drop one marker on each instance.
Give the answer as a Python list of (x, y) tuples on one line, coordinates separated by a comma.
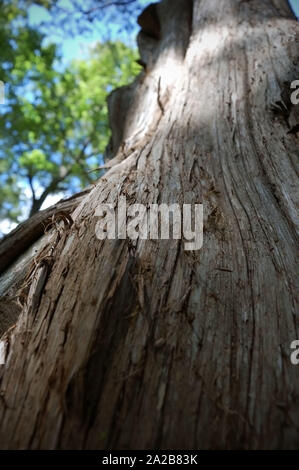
[(144, 345)]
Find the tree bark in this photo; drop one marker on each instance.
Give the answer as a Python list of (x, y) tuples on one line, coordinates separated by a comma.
[(123, 345), (20, 249)]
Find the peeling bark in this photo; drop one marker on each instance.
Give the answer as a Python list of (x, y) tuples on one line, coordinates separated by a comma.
[(19, 250), (143, 345)]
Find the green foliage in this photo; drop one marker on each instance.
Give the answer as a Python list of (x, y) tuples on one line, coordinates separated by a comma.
[(54, 125), (35, 161)]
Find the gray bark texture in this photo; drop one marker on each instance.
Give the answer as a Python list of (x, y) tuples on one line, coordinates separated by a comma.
[(116, 344)]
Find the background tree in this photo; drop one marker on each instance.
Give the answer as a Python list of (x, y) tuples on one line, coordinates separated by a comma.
[(54, 127), (144, 345)]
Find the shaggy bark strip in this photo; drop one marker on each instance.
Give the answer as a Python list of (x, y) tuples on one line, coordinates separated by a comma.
[(142, 345)]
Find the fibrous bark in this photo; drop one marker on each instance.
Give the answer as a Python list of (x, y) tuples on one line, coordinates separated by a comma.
[(144, 345), (20, 249)]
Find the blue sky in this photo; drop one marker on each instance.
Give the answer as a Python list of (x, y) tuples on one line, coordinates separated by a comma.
[(77, 46), (295, 6)]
